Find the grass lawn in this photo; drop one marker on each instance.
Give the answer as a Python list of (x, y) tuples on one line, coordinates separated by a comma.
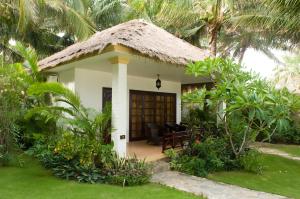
[(34, 182), (281, 176)]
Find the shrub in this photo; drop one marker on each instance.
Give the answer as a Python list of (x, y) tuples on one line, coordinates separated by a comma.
[(128, 171), (251, 161), (190, 165), (69, 169), (11, 100), (210, 155), (89, 152), (123, 171), (292, 136), (4, 156), (253, 105), (80, 150), (14, 81)]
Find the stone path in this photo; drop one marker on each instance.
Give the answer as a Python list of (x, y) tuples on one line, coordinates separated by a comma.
[(204, 187), (277, 152), (210, 189)]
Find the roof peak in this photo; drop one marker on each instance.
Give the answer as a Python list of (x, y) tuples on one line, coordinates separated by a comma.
[(138, 34)]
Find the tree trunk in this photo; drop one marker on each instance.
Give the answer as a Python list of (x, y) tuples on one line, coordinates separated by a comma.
[(213, 43), (243, 50), (214, 30)]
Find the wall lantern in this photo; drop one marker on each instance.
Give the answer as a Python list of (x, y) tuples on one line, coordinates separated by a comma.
[(158, 82)]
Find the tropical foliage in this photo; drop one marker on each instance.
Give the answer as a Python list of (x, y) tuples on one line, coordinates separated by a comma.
[(49, 119), (80, 149), (49, 25), (288, 75), (14, 81), (246, 108), (226, 27), (279, 16), (253, 106)]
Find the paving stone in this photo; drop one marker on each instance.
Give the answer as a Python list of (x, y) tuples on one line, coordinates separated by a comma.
[(210, 189), (277, 152)]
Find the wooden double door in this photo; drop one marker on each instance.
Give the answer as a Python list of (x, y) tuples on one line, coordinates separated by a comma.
[(147, 107)]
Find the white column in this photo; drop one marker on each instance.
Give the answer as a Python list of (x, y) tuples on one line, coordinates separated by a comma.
[(119, 105), (221, 112)]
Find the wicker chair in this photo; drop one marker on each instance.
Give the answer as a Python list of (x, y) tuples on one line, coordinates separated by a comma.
[(153, 134)]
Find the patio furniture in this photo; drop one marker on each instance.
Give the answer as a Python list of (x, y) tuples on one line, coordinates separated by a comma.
[(153, 134), (175, 135)]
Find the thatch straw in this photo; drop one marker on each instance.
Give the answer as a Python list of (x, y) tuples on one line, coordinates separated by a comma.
[(139, 35)]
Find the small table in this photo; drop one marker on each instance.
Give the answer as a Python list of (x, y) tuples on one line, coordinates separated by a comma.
[(174, 139)]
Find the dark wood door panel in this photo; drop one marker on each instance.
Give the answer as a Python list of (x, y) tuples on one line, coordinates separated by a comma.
[(158, 108), (146, 107)]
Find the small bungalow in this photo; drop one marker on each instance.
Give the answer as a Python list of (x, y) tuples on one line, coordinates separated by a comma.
[(137, 66)]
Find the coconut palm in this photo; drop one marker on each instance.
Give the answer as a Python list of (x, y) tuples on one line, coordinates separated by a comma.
[(221, 30), (175, 16), (288, 75), (236, 43), (107, 13), (37, 23), (69, 16), (279, 16)]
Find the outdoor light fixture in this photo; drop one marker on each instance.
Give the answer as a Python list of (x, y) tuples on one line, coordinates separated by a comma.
[(158, 82)]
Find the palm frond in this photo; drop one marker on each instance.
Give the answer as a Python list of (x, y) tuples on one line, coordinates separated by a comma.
[(56, 89)]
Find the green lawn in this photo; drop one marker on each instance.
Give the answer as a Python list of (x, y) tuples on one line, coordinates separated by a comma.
[(34, 182), (281, 176)]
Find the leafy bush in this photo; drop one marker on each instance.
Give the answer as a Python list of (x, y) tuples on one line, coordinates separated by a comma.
[(187, 164), (253, 106), (14, 102), (4, 156), (69, 169), (212, 154), (80, 150), (89, 152), (113, 170), (252, 161), (247, 108), (128, 171)]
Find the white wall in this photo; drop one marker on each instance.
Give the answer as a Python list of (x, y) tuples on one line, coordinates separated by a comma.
[(89, 84), (67, 78)]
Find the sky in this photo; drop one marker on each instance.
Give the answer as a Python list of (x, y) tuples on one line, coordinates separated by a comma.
[(262, 64)]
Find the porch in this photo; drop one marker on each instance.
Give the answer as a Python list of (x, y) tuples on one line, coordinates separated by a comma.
[(144, 151), (128, 59), (128, 81)]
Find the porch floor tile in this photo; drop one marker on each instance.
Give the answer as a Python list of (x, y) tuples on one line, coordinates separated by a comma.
[(142, 150)]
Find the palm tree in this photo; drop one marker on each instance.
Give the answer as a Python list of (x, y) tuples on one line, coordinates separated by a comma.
[(173, 15), (236, 43), (288, 75), (206, 23), (69, 16), (215, 14), (38, 23), (226, 35), (279, 16), (107, 13)]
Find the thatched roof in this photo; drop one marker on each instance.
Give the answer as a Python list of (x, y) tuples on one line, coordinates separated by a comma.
[(139, 35)]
